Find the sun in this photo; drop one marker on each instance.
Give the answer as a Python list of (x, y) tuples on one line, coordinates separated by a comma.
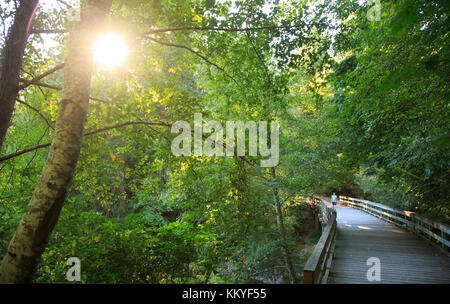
[(110, 50)]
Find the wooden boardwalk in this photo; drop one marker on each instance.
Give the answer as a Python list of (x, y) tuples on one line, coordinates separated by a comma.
[(404, 257)]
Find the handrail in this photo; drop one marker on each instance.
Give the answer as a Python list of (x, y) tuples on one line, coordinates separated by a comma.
[(318, 265), (434, 231)]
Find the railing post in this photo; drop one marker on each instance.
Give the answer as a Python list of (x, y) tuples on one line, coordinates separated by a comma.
[(316, 220), (429, 229), (308, 277)]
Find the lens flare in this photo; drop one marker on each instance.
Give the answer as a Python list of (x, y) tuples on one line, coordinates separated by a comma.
[(110, 50)]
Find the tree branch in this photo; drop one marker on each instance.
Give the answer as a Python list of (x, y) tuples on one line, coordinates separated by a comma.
[(45, 74), (195, 53), (217, 29), (49, 86), (128, 123), (177, 29), (37, 111), (41, 84), (266, 71), (41, 31), (9, 156), (18, 153)]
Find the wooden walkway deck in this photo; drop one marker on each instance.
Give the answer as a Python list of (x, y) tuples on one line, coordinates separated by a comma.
[(404, 257)]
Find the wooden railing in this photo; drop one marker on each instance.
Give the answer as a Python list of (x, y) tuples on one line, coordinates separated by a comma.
[(318, 265), (436, 232)]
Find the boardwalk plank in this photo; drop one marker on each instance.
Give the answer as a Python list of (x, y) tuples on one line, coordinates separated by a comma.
[(405, 258)]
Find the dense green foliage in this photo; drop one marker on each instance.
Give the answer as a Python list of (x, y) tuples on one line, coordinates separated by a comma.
[(362, 109), (391, 96)]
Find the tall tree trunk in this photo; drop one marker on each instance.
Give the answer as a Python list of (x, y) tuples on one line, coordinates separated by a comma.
[(11, 63), (282, 231), (32, 234)]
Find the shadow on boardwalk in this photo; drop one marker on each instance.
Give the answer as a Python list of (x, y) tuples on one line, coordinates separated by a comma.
[(405, 258)]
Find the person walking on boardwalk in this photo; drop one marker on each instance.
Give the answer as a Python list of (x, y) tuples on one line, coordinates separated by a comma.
[(334, 199)]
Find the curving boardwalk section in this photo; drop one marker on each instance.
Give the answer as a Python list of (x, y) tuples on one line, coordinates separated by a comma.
[(404, 257)]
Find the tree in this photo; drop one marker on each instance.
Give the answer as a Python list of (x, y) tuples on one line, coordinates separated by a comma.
[(32, 234), (11, 62), (391, 97)]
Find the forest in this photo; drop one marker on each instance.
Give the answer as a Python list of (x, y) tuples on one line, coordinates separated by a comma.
[(177, 141)]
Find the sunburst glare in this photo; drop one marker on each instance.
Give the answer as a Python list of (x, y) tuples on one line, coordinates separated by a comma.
[(110, 50)]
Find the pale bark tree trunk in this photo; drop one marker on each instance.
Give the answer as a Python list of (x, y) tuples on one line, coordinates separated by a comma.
[(32, 234), (282, 231), (11, 63)]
